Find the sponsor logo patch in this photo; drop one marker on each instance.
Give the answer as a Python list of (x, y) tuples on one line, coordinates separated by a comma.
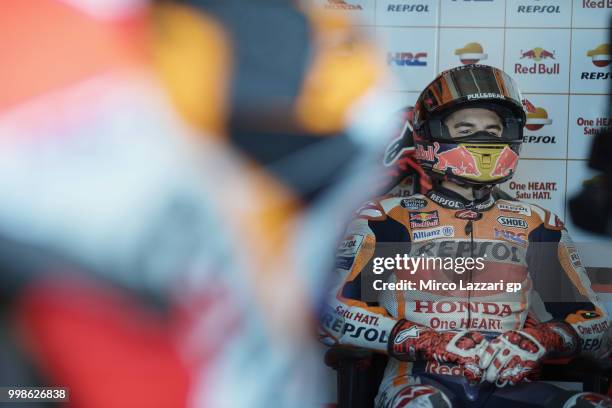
[(574, 258), (512, 222), (450, 203), (519, 238), (410, 333), (413, 203), (485, 95), (350, 245), (439, 232), (468, 215), (424, 219), (519, 209)]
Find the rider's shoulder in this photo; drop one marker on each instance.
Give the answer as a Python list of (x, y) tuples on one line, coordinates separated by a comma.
[(378, 208), (413, 202), (536, 213)]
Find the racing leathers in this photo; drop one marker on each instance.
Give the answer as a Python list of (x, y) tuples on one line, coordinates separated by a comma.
[(489, 325)]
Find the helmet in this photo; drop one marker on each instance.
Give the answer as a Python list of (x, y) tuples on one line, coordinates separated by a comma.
[(480, 158)]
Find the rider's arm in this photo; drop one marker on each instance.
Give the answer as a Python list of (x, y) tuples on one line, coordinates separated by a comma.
[(347, 319), (570, 315)]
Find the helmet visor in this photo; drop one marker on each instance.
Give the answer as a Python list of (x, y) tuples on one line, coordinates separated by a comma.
[(507, 129), (472, 84)]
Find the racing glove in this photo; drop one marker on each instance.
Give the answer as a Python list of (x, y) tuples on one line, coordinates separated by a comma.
[(409, 341), (515, 354)]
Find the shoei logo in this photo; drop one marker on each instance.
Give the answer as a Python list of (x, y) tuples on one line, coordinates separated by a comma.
[(407, 59), (342, 5), (537, 117), (512, 222), (471, 53)]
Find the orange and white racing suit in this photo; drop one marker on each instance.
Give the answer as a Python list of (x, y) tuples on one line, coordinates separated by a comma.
[(519, 243)]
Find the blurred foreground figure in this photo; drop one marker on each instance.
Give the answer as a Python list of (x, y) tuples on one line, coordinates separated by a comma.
[(201, 155)]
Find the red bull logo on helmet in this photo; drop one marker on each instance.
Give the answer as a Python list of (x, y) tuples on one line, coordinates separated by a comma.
[(506, 163), (475, 162), (458, 160)]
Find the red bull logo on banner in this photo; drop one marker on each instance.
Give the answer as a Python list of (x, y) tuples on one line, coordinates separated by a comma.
[(537, 55), (506, 163), (596, 4), (459, 160)]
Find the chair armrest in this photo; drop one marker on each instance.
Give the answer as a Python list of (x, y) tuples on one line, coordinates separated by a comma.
[(351, 365)]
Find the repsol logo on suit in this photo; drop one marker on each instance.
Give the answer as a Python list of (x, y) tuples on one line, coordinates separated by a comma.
[(340, 327), (489, 250)]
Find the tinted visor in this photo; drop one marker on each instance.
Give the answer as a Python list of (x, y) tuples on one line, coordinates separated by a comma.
[(502, 127)]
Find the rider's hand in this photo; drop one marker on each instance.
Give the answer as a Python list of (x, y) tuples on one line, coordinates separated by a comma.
[(511, 357), (516, 354), (410, 341)]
